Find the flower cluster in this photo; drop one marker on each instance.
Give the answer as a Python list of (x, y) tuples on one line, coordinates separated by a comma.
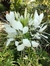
[(23, 30)]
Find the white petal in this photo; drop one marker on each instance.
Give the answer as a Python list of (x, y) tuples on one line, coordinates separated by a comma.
[(9, 40), (30, 22), (10, 16), (36, 15), (36, 23), (41, 17), (42, 29), (17, 25), (9, 29), (37, 19), (20, 47), (6, 26), (34, 44), (25, 29), (16, 43), (26, 42)]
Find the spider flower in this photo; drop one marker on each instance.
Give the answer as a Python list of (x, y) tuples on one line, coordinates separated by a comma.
[(15, 29), (37, 19)]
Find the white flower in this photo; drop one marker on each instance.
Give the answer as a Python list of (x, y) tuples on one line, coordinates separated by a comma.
[(9, 40), (20, 47), (16, 28), (35, 44), (26, 43), (25, 29), (16, 24), (37, 19)]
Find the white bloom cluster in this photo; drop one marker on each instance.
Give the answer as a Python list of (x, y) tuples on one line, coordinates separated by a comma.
[(37, 26), (15, 28)]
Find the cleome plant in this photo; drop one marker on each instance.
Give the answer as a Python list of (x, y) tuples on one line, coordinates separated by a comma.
[(26, 31)]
